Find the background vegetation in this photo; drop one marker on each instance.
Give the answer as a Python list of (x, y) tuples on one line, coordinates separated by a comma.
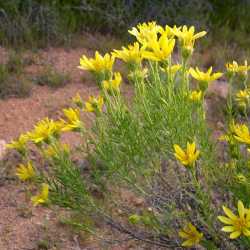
[(43, 22)]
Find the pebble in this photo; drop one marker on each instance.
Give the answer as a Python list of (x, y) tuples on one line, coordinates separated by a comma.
[(2, 148)]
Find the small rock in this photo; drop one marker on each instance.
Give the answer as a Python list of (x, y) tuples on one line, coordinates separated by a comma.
[(2, 148), (219, 88), (220, 125), (138, 201)]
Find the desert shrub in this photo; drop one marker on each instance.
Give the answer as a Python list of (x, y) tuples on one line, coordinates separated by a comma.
[(12, 82), (40, 23), (52, 78), (157, 147)]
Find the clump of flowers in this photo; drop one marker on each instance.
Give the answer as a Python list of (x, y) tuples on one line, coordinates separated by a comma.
[(146, 32), (131, 146), (187, 39), (100, 66), (159, 50), (45, 130), (132, 56), (94, 104), (234, 67)]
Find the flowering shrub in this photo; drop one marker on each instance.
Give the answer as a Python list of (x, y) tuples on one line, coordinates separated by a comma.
[(157, 146)]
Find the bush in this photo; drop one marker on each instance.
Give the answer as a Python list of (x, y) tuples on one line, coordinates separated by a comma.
[(12, 82), (52, 78), (151, 169)]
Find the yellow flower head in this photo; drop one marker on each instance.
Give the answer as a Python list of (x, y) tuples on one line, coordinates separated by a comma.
[(195, 96), (191, 235), (73, 120), (94, 104), (44, 130), (159, 49), (97, 64), (77, 100), (146, 32), (242, 98), (187, 157), (241, 133), (19, 144), (236, 224), (204, 76), (235, 68), (42, 197), (113, 85), (25, 173), (131, 55), (187, 36)]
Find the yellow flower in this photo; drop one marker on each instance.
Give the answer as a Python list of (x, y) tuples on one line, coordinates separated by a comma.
[(25, 173), (160, 49), (19, 144), (44, 130), (242, 97), (113, 84), (204, 76), (73, 120), (42, 197), (187, 157), (187, 35), (146, 32), (235, 68), (191, 235), (241, 178), (97, 64), (94, 104), (132, 55), (195, 96), (77, 100), (241, 133), (236, 225)]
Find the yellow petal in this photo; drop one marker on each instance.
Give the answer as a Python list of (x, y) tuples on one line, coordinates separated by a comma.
[(229, 213), (225, 220), (235, 235), (241, 209), (228, 229)]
